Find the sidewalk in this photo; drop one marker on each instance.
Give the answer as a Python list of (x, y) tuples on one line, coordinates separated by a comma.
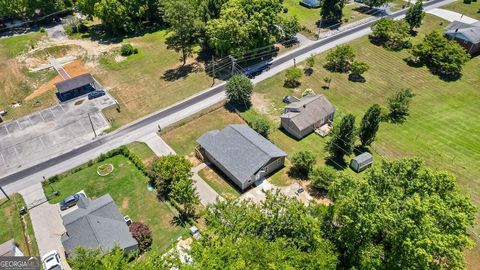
[(206, 193), (451, 15)]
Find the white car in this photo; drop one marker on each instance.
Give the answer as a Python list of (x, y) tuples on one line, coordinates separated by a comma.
[(51, 261)]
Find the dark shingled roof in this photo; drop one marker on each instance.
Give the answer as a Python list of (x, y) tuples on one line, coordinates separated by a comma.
[(239, 149), (467, 32), (308, 111), (96, 223), (74, 83)]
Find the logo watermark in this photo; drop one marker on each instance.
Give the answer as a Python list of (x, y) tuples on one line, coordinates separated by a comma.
[(19, 263)]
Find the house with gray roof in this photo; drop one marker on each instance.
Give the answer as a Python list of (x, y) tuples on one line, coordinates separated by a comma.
[(467, 35), (96, 223), (242, 154), (303, 117)]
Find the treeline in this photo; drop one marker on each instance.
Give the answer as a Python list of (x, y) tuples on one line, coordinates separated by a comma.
[(30, 9)]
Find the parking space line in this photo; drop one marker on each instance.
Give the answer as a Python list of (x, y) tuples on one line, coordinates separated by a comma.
[(8, 133), (30, 120), (40, 113), (18, 124), (3, 158), (61, 107)]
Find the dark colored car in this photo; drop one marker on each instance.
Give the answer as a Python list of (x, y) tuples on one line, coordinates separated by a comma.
[(70, 201), (96, 94)]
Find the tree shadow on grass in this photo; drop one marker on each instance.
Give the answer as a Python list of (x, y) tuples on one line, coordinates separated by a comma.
[(98, 33), (181, 72), (237, 108), (336, 163)]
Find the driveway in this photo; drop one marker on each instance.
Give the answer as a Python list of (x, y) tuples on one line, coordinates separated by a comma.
[(206, 193), (33, 138), (46, 221), (257, 194), (451, 15), (157, 144)]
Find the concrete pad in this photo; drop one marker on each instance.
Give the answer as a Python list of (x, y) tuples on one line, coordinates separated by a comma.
[(451, 15), (3, 132), (24, 122), (12, 127), (47, 115), (36, 118), (157, 144), (206, 193)]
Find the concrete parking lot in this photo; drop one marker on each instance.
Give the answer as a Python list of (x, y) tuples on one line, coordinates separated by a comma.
[(31, 139)]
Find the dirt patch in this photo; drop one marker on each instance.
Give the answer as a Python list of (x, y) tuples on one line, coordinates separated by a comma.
[(73, 69), (260, 103), (125, 203)]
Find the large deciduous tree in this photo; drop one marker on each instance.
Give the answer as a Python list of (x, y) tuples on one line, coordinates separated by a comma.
[(302, 162), (343, 138), (392, 34), (170, 169), (244, 25), (113, 16), (239, 90), (332, 11), (370, 124), (401, 216), (185, 194), (399, 103), (340, 59), (415, 15)]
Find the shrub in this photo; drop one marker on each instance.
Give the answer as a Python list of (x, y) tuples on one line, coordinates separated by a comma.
[(42, 29), (303, 162), (142, 233), (239, 90), (128, 49), (399, 103), (261, 125), (322, 177)]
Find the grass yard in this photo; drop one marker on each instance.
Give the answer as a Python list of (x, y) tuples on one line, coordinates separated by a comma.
[(14, 226), (219, 183), (128, 187), (16, 82), (470, 10), (183, 138), (150, 80), (141, 150), (309, 17), (442, 128)]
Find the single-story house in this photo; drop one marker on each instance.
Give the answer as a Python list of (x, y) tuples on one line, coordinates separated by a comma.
[(96, 223), (75, 87), (361, 162), (304, 116), (467, 35), (242, 154), (10, 249)]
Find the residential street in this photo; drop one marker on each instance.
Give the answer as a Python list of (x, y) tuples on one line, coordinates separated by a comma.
[(149, 124)]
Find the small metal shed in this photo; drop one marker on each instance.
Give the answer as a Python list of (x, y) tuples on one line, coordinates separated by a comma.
[(361, 162)]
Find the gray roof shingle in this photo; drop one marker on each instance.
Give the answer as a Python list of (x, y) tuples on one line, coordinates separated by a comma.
[(74, 83), (308, 110), (468, 32), (96, 223), (239, 149), (364, 158)]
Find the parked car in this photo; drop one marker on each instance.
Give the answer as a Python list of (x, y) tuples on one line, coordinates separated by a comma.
[(51, 261), (96, 94), (70, 201)]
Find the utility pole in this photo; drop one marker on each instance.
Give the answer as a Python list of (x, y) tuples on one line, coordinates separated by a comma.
[(4, 193), (213, 75), (91, 124), (294, 62), (233, 63)]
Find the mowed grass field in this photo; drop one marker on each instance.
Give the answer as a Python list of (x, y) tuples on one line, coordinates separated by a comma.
[(128, 188), (16, 82), (16, 227), (150, 80), (443, 125), (470, 10)]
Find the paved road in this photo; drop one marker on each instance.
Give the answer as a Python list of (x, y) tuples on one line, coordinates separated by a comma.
[(177, 111)]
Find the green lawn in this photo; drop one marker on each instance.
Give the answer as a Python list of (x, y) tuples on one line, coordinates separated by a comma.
[(183, 138), (471, 10), (442, 128), (16, 45), (128, 187), (14, 226), (219, 183), (141, 150)]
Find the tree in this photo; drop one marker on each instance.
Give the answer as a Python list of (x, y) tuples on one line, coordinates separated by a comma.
[(356, 71), (239, 90), (343, 138), (87, 7), (370, 124), (399, 103), (142, 234), (340, 59), (184, 193), (415, 15), (390, 33), (322, 177), (402, 215), (310, 63), (332, 11), (87, 259), (290, 26), (442, 56), (169, 169), (244, 25), (302, 162), (184, 23), (260, 124), (112, 13), (328, 81), (292, 77)]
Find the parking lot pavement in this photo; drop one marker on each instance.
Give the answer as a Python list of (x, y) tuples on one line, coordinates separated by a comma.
[(31, 139), (46, 221)]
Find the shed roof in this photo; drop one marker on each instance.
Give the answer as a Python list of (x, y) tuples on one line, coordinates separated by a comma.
[(74, 83), (239, 149), (308, 110), (364, 158), (96, 223), (468, 32)]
